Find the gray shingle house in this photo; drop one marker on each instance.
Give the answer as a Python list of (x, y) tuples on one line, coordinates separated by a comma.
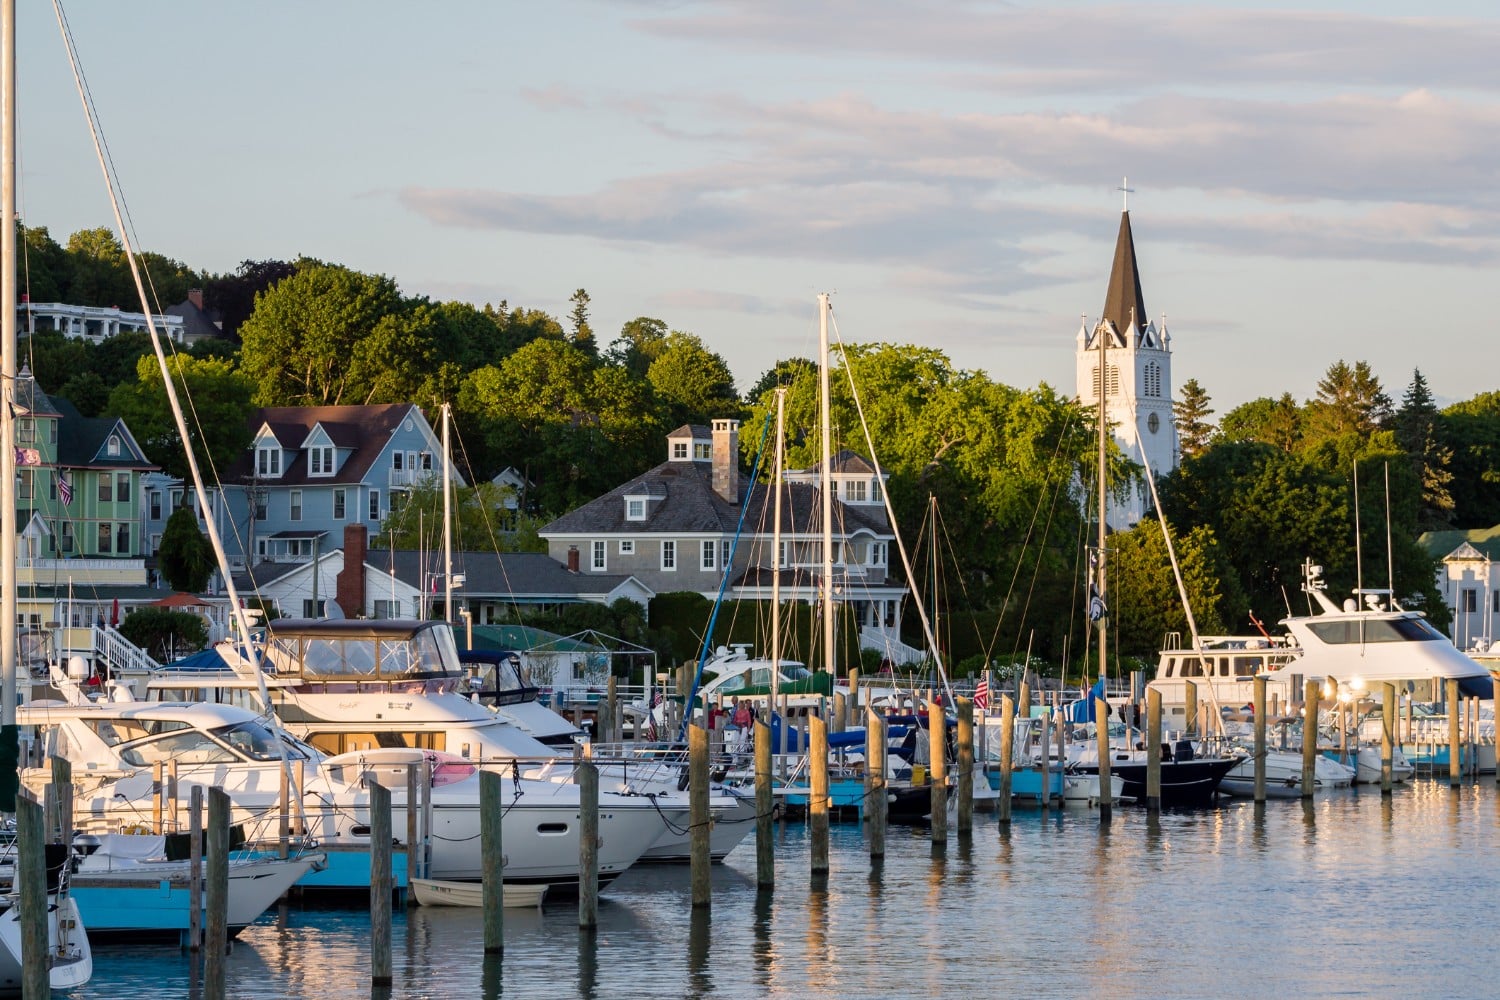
[(673, 528)]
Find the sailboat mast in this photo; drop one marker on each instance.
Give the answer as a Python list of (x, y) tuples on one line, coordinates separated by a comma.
[(776, 550), (1099, 574), (936, 642), (447, 521), (825, 485), (9, 737)]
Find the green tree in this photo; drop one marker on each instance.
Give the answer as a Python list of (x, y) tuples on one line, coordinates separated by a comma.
[(482, 521), (582, 334), (43, 271), (1144, 601), (216, 399), (186, 557), (1472, 428), (694, 382), (1190, 414), (1350, 400), (783, 373), (640, 342), (164, 633), (233, 295), (100, 275), (1276, 422), (1417, 430), (304, 345)]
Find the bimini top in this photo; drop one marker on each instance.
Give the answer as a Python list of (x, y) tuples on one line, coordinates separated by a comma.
[(351, 628)]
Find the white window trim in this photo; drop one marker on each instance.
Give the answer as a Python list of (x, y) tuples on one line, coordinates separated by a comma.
[(294, 505), (635, 508), (321, 460), (599, 559), (627, 546), (334, 504), (669, 555), (708, 555)]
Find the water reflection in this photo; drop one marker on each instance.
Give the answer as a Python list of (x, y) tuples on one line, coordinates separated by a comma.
[(700, 978), (762, 953)]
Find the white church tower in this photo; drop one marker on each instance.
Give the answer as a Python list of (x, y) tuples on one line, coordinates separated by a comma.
[(1138, 382)]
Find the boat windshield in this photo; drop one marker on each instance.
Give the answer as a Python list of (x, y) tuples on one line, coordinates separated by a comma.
[(426, 652), (1366, 630), (220, 745)]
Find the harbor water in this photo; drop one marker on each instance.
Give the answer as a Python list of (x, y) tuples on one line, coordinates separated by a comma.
[(1349, 896)]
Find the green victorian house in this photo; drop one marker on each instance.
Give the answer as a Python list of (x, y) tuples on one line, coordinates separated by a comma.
[(79, 553)]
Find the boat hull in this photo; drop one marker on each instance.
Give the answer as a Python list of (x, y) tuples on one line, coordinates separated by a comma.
[(1184, 783)]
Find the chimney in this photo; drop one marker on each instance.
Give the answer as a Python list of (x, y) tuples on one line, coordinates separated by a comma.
[(727, 459), (572, 559), (195, 296), (349, 587)]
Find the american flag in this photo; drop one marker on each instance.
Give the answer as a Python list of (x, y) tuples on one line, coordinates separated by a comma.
[(982, 694), (64, 488), (651, 730)]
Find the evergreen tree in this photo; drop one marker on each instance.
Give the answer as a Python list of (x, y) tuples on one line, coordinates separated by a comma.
[(1190, 414), (186, 558), (582, 334), (1349, 400), (1418, 432)]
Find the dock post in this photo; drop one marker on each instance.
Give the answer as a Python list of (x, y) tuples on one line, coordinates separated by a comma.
[(1190, 707), (783, 736), (1106, 785), (492, 851), (172, 804), (840, 712), (1387, 736), (937, 770), (380, 883), (612, 733), (216, 894), (62, 777), (1153, 751), (965, 767), (765, 848), (698, 815), (1310, 696), (413, 832), (588, 846), (283, 821), (158, 788), (31, 874), (876, 802), (1260, 738), (1495, 688), (195, 869), (817, 792), (1455, 745), (1023, 700), (1046, 760), (852, 705), (1007, 753)]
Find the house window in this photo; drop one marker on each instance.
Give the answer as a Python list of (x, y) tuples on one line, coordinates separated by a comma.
[(781, 554), (106, 537), (375, 505), (320, 460), (24, 487), (635, 509), (709, 548), (388, 609), (396, 458), (155, 499), (600, 562), (261, 506), (106, 488), (854, 490), (268, 462), (112, 447), (724, 553), (176, 498), (338, 505), (627, 546), (122, 487), (1470, 599), (311, 609), (1497, 602), (669, 555), (260, 547), (25, 431), (295, 497), (702, 451), (878, 553), (426, 461), (122, 538), (52, 431), (155, 543), (66, 542), (679, 450)]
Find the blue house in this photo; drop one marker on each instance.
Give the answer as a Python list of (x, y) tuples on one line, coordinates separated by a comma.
[(309, 472)]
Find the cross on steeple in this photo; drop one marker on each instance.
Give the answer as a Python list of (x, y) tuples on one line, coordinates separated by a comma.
[(1127, 191)]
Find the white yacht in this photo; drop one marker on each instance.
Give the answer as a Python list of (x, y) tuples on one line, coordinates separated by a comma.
[(114, 747), (348, 686)]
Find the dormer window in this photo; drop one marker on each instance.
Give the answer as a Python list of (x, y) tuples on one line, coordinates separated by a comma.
[(854, 490), (268, 462), (703, 451), (112, 446), (635, 508), (320, 460), (679, 451)]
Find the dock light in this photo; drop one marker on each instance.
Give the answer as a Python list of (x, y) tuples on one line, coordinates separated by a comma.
[(1330, 687), (1357, 684)]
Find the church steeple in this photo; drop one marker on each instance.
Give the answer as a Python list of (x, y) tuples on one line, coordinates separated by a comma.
[(1123, 302)]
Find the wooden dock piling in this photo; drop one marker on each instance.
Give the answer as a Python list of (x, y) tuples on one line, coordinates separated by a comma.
[(1190, 708), (937, 770), (216, 895), (195, 869), (380, 882), (1259, 704), (817, 793), (588, 846), (852, 706), (1153, 751), (698, 819), (1007, 755), (1023, 700), (62, 778), (31, 876), (965, 767), (1046, 756), (1455, 742), (492, 853), (1310, 696), (876, 802), (1106, 785), (765, 847), (1387, 736), (158, 790)]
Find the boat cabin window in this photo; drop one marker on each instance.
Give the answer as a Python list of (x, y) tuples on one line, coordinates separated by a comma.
[(190, 747), (116, 731), (1375, 630), (337, 743), (1190, 667), (426, 652), (1247, 666)]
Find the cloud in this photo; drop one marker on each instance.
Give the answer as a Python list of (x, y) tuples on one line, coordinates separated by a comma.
[(557, 97)]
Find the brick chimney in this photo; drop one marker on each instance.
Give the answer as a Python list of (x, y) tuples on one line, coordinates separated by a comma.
[(727, 459), (349, 586), (572, 559), (195, 296)]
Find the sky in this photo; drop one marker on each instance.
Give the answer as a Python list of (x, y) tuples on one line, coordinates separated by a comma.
[(1311, 182)]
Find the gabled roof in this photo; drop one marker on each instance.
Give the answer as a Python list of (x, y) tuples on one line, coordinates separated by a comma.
[(1476, 543), (845, 461), (692, 430), (503, 574), (81, 441), (30, 399), (1123, 301), (689, 504), (363, 430), (197, 323)]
